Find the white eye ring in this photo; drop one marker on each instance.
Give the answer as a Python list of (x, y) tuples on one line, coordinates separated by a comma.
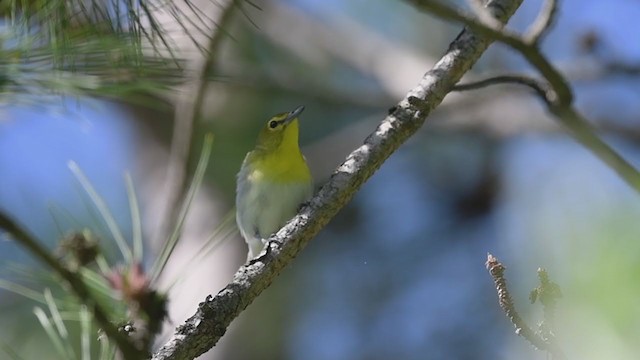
[(273, 124)]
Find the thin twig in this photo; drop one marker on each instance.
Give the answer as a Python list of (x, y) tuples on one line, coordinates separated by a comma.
[(213, 316), (129, 351), (539, 87), (543, 23), (496, 269)]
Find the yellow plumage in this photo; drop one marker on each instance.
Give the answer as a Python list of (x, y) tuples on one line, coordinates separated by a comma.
[(273, 181)]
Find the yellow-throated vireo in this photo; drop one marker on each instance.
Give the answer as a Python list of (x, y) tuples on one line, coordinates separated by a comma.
[(273, 182)]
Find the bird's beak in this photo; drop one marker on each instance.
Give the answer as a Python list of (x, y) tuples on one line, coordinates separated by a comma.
[(293, 114)]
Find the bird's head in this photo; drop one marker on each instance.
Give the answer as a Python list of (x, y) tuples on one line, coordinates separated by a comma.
[(281, 131)]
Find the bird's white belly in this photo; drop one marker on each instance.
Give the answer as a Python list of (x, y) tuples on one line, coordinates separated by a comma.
[(268, 206)]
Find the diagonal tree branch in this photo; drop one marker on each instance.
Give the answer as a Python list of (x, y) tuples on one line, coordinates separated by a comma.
[(203, 330)]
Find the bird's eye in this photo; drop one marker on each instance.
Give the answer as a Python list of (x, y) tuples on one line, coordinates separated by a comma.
[(273, 124)]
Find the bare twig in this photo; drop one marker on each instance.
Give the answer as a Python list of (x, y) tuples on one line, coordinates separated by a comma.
[(539, 87), (496, 269), (543, 23), (129, 351), (210, 322)]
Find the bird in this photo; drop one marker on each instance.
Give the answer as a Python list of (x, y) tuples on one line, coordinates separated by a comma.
[(273, 182)]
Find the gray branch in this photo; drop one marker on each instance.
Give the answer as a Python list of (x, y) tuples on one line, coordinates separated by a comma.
[(203, 330)]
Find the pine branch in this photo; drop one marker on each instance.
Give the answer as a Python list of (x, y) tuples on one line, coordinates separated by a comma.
[(128, 350), (95, 47)]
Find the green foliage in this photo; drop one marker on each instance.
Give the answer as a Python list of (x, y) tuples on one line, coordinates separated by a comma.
[(103, 48)]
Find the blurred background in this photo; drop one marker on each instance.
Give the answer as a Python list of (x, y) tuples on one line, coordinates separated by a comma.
[(399, 273)]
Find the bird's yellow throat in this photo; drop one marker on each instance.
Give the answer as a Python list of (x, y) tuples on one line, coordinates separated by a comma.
[(277, 157)]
